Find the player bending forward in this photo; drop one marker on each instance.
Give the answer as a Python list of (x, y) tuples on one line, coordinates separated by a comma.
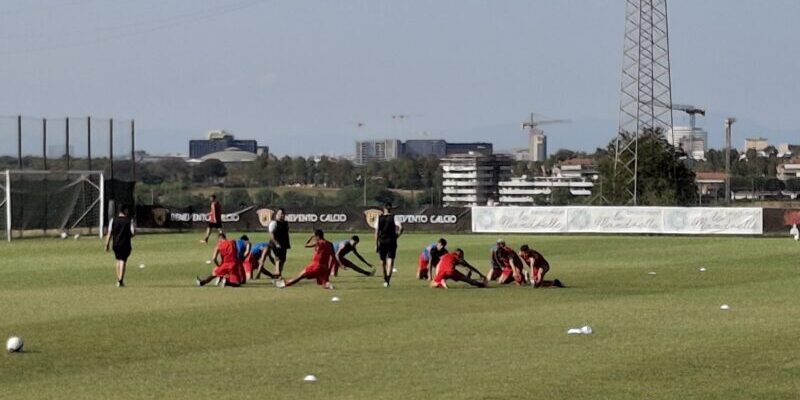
[(447, 270), (320, 265), (539, 266), (430, 258), (506, 265), (341, 250), (259, 254), (225, 259)]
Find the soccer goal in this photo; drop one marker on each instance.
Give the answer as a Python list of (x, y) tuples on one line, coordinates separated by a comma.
[(46, 202)]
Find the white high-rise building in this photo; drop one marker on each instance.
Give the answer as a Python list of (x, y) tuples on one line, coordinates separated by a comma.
[(472, 179), (537, 145), (694, 142)]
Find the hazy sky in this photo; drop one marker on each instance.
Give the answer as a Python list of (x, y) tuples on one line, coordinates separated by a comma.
[(298, 75)]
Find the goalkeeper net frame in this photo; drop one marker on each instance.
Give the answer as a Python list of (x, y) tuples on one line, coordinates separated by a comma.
[(59, 201)]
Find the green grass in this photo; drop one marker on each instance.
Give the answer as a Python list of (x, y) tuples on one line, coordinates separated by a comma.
[(656, 337)]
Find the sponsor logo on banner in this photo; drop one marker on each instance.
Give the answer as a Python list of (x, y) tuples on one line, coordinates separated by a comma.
[(264, 216), (160, 216), (313, 218), (372, 215)]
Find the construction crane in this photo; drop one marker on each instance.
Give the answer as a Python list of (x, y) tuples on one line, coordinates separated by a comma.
[(692, 111), (537, 141)]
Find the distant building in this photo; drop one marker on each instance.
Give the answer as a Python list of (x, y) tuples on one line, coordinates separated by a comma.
[(520, 191), (484, 148), (694, 142), (220, 141), (757, 144), (377, 150), (786, 150), (577, 175), (389, 149), (789, 170), (537, 145), (710, 184), (425, 147), (472, 179)]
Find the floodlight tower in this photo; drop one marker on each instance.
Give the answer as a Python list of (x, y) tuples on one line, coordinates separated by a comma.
[(646, 89)]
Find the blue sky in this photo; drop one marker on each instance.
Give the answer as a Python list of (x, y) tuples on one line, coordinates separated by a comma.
[(299, 75)]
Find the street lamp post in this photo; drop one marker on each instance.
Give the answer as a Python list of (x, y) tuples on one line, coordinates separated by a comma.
[(728, 123)]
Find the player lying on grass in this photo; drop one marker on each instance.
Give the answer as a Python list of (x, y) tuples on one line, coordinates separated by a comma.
[(430, 258), (506, 265), (340, 252), (259, 254), (539, 267), (446, 269), (320, 265), (226, 262)]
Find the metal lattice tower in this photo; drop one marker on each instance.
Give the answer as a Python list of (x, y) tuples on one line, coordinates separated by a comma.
[(646, 95)]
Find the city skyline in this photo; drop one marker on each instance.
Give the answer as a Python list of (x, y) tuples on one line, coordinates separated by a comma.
[(316, 71)]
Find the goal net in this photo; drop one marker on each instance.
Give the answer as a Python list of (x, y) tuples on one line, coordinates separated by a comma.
[(51, 202)]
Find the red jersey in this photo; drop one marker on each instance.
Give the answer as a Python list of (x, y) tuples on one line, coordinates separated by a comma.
[(215, 215), (538, 258), (323, 252), (447, 263), (227, 250)]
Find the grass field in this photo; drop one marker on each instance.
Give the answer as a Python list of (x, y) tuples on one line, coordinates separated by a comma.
[(657, 336)]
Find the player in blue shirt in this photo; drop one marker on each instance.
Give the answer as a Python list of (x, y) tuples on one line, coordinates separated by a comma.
[(429, 259), (259, 253), (341, 250)]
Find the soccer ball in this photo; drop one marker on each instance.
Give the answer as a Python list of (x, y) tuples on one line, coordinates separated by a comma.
[(77, 236), (14, 344), (64, 235)]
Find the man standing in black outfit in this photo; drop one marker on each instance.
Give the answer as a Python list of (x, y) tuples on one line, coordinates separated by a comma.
[(120, 231), (387, 231), (279, 236)]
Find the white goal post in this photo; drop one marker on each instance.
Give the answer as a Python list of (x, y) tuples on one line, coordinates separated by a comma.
[(52, 200)]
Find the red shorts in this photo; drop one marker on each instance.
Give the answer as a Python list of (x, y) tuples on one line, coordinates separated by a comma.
[(319, 272), (508, 275), (250, 265), (223, 270), (442, 274), (423, 263)]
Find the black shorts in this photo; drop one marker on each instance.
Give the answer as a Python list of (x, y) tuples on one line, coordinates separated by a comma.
[(122, 253), (215, 225), (280, 253), (387, 250)]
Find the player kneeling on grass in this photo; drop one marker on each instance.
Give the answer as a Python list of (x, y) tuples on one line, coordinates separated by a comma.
[(341, 250), (446, 269), (320, 266), (430, 258), (225, 259), (506, 265), (539, 266)]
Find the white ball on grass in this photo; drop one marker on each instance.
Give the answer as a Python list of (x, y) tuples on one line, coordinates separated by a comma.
[(586, 330), (335, 299), (310, 378), (64, 235), (14, 344), (141, 265), (724, 307), (77, 236), (702, 269), (208, 261)]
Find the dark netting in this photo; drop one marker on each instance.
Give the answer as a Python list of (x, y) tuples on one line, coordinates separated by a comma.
[(54, 201)]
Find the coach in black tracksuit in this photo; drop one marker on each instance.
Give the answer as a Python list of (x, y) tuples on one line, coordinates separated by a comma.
[(121, 230), (279, 236), (387, 231)]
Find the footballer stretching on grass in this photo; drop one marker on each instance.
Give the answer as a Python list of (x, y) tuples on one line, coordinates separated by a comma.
[(226, 261), (340, 252), (447, 270), (320, 265), (429, 258)]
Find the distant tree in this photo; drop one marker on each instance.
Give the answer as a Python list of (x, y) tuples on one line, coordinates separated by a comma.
[(663, 179), (265, 197), (208, 170), (236, 199)]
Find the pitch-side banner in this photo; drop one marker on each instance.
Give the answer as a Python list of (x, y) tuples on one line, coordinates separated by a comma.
[(421, 219), (656, 220)]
